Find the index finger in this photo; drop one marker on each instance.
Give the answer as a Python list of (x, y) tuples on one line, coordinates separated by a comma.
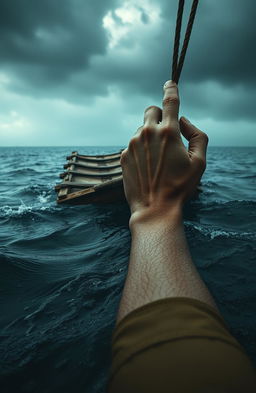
[(171, 102)]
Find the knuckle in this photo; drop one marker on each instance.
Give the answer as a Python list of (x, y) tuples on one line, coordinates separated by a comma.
[(169, 130), (151, 107), (171, 99), (133, 141), (146, 131)]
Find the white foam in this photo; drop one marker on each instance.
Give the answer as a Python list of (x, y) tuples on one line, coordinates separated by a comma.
[(22, 209), (44, 198), (213, 233)]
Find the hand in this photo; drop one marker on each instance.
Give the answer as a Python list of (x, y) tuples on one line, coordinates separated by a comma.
[(159, 173)]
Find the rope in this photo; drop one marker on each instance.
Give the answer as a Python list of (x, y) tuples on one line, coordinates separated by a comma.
[(177, 38), (178, 64)]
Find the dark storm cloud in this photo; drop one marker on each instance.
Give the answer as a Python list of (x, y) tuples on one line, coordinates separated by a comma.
[(48, 47), (51, 40), (46, 41), (221, 51), (223, 43), (222, 46)]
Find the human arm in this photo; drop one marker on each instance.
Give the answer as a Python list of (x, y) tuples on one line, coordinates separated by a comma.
[(159, 175), (169, 334)]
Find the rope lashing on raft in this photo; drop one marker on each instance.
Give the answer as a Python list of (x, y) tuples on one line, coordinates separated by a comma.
[(178, 62)]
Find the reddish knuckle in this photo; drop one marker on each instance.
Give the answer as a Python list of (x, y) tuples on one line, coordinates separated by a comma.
[(171, 99)]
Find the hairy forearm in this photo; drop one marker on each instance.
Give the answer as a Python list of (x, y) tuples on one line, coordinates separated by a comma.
[(161, 263)]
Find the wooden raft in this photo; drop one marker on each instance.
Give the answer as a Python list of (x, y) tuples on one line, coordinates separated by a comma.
[(91, 179)]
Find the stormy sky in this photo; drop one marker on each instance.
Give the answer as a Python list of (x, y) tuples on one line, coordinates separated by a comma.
[(82, 72)]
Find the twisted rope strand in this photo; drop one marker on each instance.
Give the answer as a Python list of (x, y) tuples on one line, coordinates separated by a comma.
[(177, 39), (178, 67)]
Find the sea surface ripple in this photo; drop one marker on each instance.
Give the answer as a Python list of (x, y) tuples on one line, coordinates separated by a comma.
[(62, 268)]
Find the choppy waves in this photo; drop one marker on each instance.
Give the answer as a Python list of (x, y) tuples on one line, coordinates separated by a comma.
[(62, 268)]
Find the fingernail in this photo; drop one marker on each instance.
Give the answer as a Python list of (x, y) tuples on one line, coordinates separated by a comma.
[(169, 84)]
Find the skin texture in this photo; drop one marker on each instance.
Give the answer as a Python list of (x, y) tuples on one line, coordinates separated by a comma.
[(159, 175)]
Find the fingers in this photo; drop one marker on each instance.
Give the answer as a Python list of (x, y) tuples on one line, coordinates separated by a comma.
[(198, 140), (152, 115), (171, 102)]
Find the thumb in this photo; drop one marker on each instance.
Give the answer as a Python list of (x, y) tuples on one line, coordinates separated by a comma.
[(197, 139)]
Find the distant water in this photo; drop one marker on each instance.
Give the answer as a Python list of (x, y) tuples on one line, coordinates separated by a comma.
[(62, 269)]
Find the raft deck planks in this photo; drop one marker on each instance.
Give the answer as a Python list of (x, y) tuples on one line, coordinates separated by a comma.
[(91, 179)]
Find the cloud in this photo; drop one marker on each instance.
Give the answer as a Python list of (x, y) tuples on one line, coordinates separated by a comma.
[(213, 99), (44, 42), (92, 67), (222, 41)]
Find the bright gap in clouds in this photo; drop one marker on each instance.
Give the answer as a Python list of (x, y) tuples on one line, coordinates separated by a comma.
[(131, 16)]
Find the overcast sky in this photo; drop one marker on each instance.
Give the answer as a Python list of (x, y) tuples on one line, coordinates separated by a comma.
[(82, 72)]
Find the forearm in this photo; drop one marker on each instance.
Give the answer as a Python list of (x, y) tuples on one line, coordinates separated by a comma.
[(160, 263), (159, 175)]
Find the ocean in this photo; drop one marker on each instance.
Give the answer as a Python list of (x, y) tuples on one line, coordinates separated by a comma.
[(62, 268)]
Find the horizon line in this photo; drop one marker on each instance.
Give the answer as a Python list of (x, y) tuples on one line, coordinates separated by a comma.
[(251, 146)]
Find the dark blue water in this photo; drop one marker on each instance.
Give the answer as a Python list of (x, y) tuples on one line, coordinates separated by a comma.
[(62, 269)]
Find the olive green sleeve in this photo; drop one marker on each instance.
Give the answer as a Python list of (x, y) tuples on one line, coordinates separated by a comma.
[(177, 345)]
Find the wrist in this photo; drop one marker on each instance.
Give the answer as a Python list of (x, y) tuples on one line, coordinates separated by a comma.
[(163, 215)]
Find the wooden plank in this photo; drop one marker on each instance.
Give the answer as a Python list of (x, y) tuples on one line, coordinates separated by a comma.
[(92, 174), (92, 159), (99, 179), (96, 164), (96, 157), (79, 184), (107, 192), (63, 191), (93, 166)]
